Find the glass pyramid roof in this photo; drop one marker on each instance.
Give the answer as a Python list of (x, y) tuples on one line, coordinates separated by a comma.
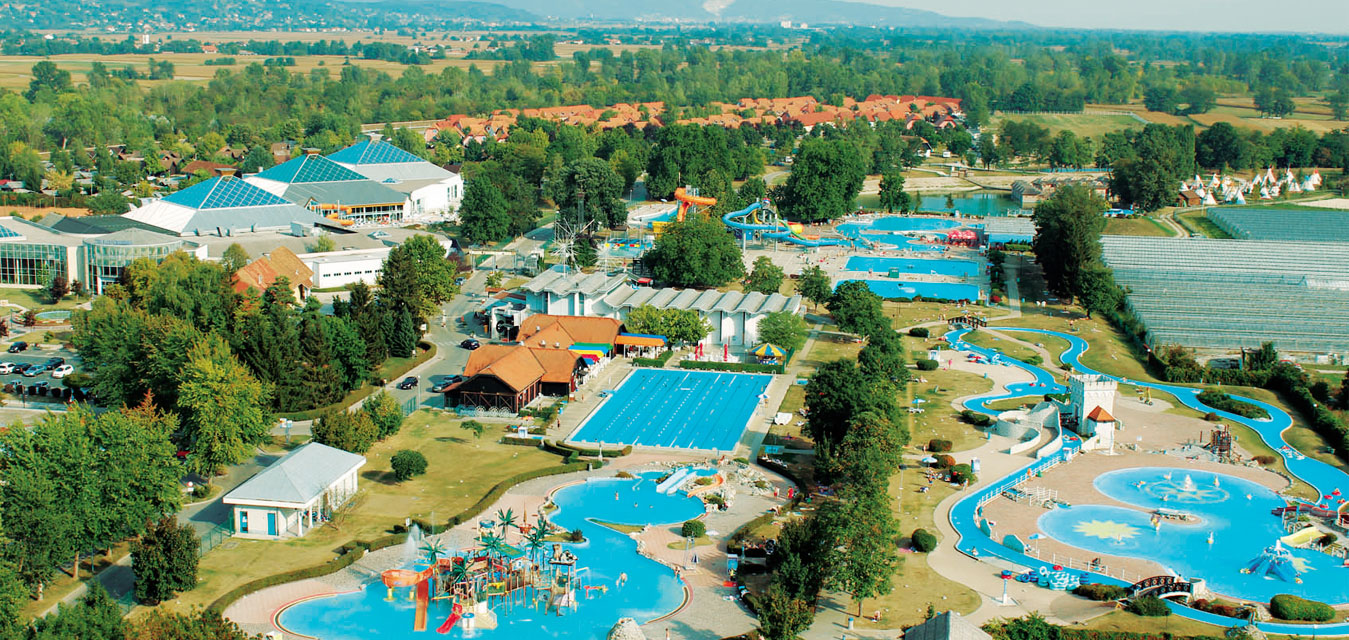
[(226, 192), (373, 152), (309, 169)]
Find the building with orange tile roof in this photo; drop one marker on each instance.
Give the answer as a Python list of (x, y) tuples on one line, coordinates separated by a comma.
[(512, 376), (263, 272)]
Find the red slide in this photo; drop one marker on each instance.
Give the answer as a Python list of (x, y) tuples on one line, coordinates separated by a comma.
[(450, 621)]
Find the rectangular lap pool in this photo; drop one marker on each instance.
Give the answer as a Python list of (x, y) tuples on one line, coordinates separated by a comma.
[(678, 409), (956, 268), (928, 290)]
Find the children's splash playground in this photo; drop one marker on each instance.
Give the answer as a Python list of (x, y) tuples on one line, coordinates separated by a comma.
[(1205, 533), (514, 582)]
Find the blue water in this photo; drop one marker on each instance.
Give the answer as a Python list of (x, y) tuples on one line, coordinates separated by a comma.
[(974, 204), (651, 591), (682, 409), (1241, 526), (956, 268), (933, 290), (59, 314), (890, 230), (966, 514)]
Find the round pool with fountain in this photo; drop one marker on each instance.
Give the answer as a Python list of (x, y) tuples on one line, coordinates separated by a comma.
[(651, 590), (1228, 529), (54, 315)]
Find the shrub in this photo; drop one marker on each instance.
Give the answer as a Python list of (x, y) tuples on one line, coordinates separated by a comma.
[(658, 361), (976, 419), (408, 463), (937, 445), (1290, 607), (623, 474), (1327, 540), (923, 541), (963, 473), (1148, 606), (576, 535), (1265, 460), (693, 529), (919, 332), (927, 364), (1218, 608), (1101, 592), (201, 490), (944, 461), (1223, 402), (716, 499), (1211, 417)]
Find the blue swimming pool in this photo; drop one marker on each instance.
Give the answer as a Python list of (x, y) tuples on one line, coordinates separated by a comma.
[(933, 290), (651, 589), (956, 268), (1236, 512), (680, 409)]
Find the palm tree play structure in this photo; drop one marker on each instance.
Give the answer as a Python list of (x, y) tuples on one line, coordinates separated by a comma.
[(493, 575)]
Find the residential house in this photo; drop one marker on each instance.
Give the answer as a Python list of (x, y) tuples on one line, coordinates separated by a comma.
[(263, 272)]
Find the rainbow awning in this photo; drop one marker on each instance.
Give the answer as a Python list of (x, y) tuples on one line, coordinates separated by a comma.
[(591, 351)]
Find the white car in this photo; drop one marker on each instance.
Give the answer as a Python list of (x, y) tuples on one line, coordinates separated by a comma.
[(62, 371), (6, 367)]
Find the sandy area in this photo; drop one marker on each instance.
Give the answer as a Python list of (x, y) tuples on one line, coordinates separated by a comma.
[(1328, 203)]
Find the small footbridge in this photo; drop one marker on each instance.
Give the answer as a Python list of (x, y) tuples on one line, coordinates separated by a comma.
[(1162, 587)]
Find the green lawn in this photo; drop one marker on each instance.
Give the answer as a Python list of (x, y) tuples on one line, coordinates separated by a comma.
[(939, 419), (1144, 226), (460, 471), (37, 299), (1083, 124), (1199, 222), (1011, 348), (1108, 352)]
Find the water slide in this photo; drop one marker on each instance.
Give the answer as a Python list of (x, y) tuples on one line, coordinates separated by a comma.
[(423, 599), (455, 614), (1299, 538), (746, 220), (671, 484), (688, 201)]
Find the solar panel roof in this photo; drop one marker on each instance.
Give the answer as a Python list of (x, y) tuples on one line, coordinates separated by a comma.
[(309, 169), (373, 152)]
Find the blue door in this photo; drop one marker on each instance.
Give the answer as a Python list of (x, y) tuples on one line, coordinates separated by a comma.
[(271, 524)]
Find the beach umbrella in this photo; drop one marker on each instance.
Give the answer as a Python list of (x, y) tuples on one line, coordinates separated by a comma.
[(928, 460), (1335, 492), (1035, 536), (766, 350), (725, 352)]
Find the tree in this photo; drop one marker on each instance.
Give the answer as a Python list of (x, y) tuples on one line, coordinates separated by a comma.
[(46, 75), (321, 375), (1219, 147), (384, 412), (108, 202), (1198, 98), (1098, 290), (13, 595), (783, 329), (475, 427), (588, 189), (864, 528), (484, 217), (94, 617), (1068, 150), (234, 258), (856, 309), (989, 153), (679, 326), (1067, 243), (697, 252), (766, 278), (1339, 104), (825, 180), (257, 159), (224, 407), (417, 276), (158, 624), (838, 392), (402, 334), (407, 463), (782, 617), (1162, 98), (323, 244), (346, 430), (58, 289), (348, 351), (1276, 103), (893, 197), (164, 560), (883, 358), (814, 285)]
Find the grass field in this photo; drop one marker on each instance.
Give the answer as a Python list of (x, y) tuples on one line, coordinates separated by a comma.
[(460, 471), (1083, 124), (1144, 226), (1199, 222)]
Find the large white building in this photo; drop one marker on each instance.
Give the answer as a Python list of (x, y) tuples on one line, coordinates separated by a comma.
[(341, 268), (734, 316), (430, 189)]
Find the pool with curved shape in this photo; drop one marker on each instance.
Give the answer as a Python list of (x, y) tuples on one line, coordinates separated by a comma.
[(966, 514), (651, 591)]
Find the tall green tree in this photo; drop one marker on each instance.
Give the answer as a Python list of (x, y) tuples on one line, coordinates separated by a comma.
[(825, 180), (783, 329), (814, 285), (679, 326), (384, 412), (234, 258), (857, 309), (782, 617), (883, 358), (225, 409), (766, 277), (866, 532), (94, 617), (321, 372), (893, 197), (1067, 243), (484, 216), (164, 560), (417, 276), (695, 253), (352, 431), (586, 190)]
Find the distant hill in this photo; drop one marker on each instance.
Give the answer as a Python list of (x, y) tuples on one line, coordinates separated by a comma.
[(448, 10), (770, 11)]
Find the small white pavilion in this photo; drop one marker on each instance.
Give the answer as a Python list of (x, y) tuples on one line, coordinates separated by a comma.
[(297, 493)]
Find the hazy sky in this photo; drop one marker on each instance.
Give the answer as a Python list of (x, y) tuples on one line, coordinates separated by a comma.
[(1326, 16)]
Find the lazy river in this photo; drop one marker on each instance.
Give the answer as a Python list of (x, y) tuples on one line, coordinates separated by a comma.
[(651, 591)]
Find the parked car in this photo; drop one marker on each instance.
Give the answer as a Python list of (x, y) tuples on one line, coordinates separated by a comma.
[(459, 282), (447, 383), (6, 367), (18, 346), (408, 383), (54, 362), (33, 370), (470, 344), (62, 371)]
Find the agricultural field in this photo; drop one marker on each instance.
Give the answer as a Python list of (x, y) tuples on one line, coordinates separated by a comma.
[(1144, 226), (1083, 124)]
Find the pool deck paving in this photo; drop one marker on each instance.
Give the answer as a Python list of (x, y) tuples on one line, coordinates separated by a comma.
[(706, 616)]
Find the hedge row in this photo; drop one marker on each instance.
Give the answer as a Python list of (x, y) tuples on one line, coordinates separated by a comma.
[(565, 450), (426, 350), (521, 442), (1072, 633), (658, 361), (348, 555), (1223, 402), (741, 367), (1291, 607), (1101, 592)]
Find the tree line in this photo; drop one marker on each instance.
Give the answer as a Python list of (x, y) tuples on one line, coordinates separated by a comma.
[(225, 362)]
